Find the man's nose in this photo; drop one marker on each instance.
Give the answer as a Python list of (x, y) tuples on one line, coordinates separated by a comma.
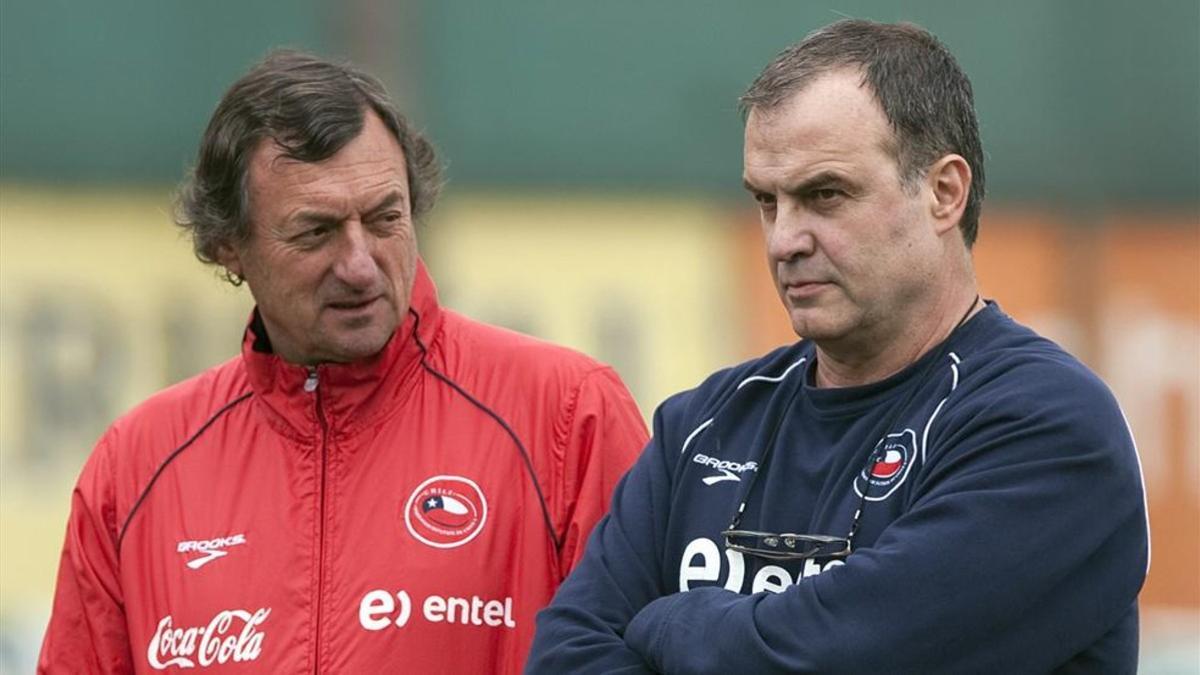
[(355, 265), (791, 234)]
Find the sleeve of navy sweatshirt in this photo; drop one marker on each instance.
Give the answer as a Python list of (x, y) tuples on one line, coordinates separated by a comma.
[(1027, 541)]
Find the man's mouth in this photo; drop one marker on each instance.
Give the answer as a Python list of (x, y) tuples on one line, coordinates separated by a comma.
[(803, 290), (352, 305)]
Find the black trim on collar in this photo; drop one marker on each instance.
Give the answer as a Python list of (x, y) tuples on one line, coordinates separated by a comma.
[(262, 341)]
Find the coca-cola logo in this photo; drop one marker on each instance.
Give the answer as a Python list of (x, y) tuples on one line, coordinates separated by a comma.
[(232, 635)]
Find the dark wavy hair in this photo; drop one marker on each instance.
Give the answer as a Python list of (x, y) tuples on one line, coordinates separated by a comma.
[(311, 108), (925, 95)]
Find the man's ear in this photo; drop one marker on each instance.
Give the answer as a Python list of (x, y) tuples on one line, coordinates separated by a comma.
[(949, 181), (229, 257)]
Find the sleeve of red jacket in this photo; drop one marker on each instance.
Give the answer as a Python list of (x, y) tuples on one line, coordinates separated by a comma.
[(582, 631), (87, 631), (605, 434)]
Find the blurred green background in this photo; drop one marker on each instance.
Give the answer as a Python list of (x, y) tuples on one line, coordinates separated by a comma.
[(1078, 101), (594, 159)]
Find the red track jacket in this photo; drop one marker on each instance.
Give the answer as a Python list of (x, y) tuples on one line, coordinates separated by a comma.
[(366, 518)]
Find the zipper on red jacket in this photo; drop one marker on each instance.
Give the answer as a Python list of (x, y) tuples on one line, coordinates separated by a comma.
[(311, 385)]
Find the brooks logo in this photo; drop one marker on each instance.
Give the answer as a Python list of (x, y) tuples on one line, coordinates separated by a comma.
[(726, 474), (728, 470), (209, 549)]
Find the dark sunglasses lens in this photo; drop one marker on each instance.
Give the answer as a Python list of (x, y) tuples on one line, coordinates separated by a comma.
[(785, 546)]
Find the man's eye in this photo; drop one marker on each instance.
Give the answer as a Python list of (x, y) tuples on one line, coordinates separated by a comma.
[(826, 194), (388, 222), (765, 200), (312, 234)]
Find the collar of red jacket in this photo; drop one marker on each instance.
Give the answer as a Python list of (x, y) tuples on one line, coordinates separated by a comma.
[(351, 396)]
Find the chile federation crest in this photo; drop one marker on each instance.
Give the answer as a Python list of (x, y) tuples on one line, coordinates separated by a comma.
[(445, 511)]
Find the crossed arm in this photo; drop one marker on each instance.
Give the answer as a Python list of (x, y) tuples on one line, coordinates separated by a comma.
[(1026, 545)]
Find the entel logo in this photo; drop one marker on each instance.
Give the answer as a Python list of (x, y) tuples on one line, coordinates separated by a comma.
[(378, 610), (214, 643), (771, 578)]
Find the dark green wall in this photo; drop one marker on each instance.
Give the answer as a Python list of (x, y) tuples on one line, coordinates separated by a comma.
[(1079, 101), (1085, 100), (120, 90)]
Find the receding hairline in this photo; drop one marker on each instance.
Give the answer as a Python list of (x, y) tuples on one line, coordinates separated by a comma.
[(783, 96), (769, 112)]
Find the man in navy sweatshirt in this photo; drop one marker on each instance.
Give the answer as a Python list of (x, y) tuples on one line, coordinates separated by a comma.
[(920, 484)]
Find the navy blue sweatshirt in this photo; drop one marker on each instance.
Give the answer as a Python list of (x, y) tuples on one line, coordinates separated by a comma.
[(1004, 527)]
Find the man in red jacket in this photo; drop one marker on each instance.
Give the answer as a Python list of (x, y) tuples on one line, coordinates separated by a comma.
[(376, 484)]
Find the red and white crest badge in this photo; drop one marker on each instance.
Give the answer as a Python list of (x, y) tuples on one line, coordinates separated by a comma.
[(445, 511), (894, 455)]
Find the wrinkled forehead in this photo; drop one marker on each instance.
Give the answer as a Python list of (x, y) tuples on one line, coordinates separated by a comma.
[(372, 161)]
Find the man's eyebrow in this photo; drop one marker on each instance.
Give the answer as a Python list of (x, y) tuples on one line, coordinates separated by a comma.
[(392, 198), (816, 181), (748, 187), (314, 217)]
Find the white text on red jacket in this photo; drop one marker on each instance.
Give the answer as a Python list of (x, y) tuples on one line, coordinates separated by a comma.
[(205, 645)]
